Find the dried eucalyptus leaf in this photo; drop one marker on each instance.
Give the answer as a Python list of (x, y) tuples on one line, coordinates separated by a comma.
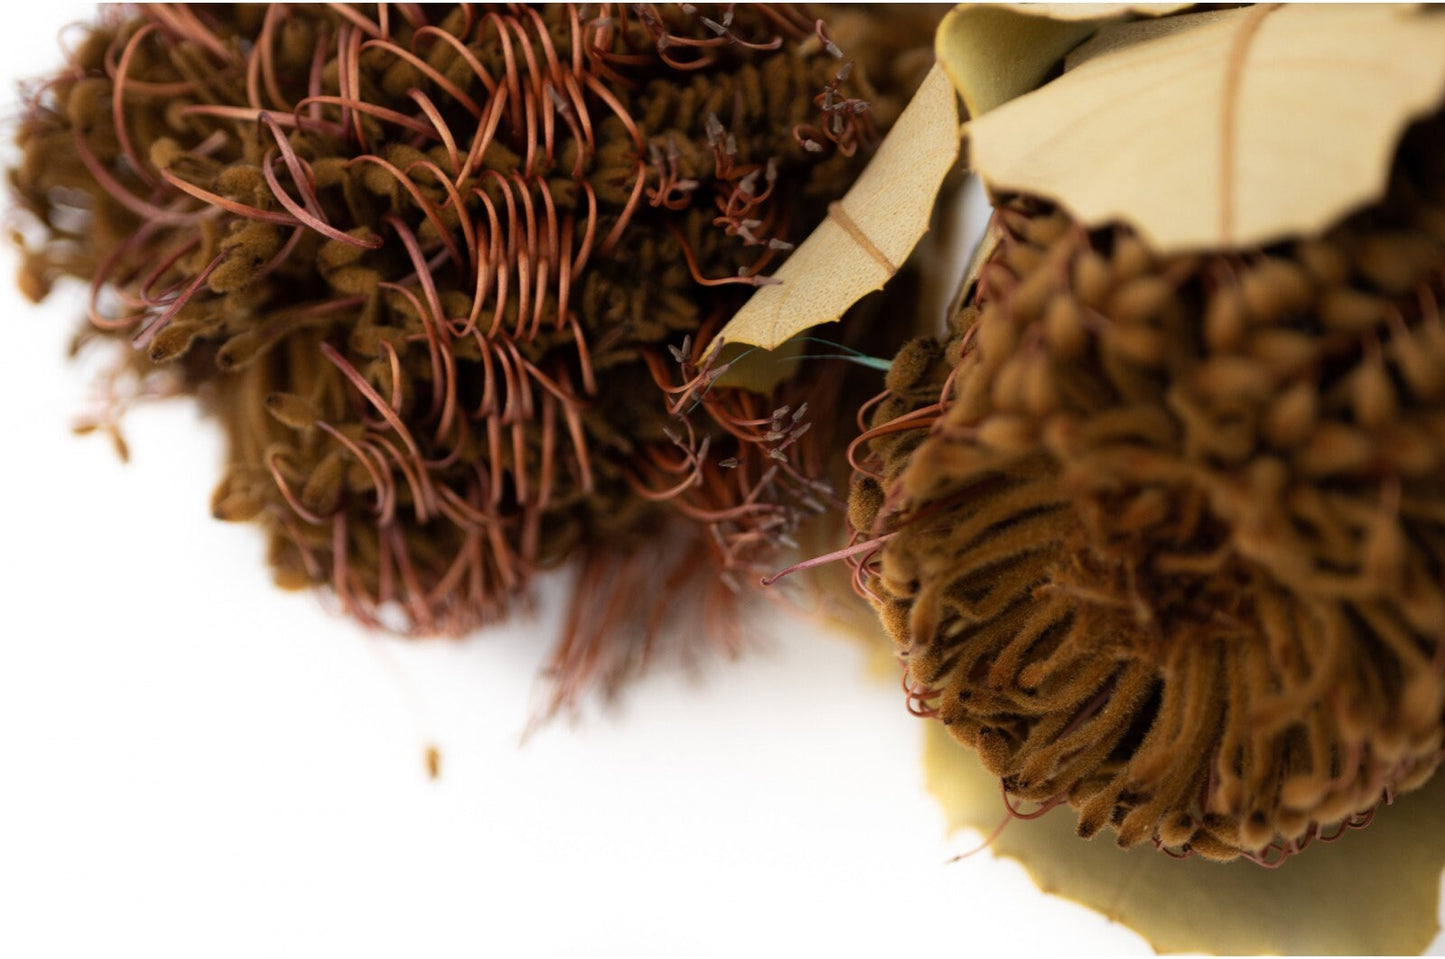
[(868, 234), (1227, 128), (994, 52), (1373, 892)]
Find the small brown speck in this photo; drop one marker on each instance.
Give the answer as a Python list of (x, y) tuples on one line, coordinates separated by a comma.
[(433, 763)]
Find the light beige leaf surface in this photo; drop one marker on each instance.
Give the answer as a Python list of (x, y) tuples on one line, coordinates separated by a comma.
[(994, 52), (868, 234), (1375, 891), (1229, 128)]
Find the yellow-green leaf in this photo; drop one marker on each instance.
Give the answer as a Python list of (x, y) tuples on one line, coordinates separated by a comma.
[(868, 234), (1222, 129), (994, 52), (1375, 891)]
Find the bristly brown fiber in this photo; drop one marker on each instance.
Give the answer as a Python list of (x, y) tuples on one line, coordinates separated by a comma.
[(1163, 538), (445, 276)]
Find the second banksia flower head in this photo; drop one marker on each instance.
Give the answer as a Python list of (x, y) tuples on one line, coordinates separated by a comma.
[(1163, 537), (446, 277)]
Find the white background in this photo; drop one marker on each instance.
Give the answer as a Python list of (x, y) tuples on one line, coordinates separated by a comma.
[(194, 764)]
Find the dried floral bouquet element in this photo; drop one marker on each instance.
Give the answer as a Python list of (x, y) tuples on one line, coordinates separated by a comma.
[(446, 277), (1254, 90), (1163, 537)]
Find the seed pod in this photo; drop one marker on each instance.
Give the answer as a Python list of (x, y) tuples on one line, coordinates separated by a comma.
[(1091, 276), (1274, 288), (1064, 328), (1292, 416), (1383, 554), (237, 508), (1224, 319), (1139, 300), (1374, 395), (291, 410), (1351, 311), (1196, 595), (1396, 263), (172, 342)]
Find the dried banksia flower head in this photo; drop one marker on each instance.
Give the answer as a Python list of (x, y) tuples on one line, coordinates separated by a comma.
[(446, 276), (1163, 537)]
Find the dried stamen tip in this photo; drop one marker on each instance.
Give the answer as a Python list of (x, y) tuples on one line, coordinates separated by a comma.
[(821, 32)]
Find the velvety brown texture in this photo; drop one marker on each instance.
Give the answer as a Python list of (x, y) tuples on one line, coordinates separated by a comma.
[(445, 275), (1164, 538)]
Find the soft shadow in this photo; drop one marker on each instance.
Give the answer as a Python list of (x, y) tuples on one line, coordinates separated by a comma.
[(1374, 891)]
